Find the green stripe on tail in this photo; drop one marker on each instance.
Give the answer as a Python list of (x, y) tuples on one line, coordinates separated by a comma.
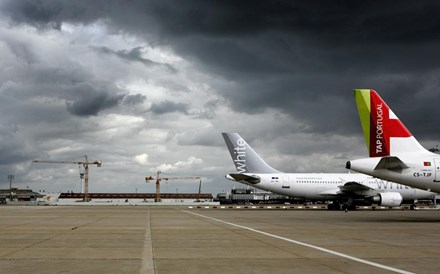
[(364, 109)]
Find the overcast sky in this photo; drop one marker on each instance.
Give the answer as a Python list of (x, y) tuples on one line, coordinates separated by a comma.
[(150, 85)]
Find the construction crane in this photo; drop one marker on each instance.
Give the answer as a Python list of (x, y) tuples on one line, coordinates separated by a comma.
[(158, 179), (85, 164)]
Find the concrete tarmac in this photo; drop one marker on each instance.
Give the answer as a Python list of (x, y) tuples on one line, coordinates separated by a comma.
[(154, 239)]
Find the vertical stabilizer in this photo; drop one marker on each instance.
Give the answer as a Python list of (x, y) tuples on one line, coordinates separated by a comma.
[(384, 133), (245, 159)]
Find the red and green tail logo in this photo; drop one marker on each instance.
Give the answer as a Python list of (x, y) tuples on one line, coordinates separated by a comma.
[(379, 123)]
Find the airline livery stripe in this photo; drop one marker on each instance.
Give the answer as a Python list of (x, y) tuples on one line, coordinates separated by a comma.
[(307, 245), (363, 103)]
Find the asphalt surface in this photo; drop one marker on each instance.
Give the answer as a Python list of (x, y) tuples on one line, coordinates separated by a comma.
[(154, 239)]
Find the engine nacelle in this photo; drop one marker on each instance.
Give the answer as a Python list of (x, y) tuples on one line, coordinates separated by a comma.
[(388, 199)]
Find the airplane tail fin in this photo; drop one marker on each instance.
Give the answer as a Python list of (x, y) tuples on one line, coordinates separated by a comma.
[(245, 159), (384, 133)]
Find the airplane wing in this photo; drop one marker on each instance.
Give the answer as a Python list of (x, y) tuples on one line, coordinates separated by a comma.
[(346, 188), (330, 192), (253, 179), (350, 189), (353, 186), (391, 163)]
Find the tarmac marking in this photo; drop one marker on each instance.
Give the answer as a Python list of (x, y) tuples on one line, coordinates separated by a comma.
[(147, 265), (307, 245)]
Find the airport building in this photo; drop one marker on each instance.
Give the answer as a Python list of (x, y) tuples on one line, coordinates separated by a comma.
[(27, 196), (252, 196), (136, 198), (19, 195)]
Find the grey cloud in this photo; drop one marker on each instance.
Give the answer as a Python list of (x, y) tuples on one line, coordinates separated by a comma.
[(298, 58), (286, 55), (168, 107), (135, 55), (52, 14), (14, 146), (205, 137), (209, 110), (82, 94), (21, 51), (132, 100), (92, 104)]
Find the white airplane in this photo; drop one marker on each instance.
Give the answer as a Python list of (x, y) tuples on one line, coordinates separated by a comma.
[(395, 154), (348, 189)]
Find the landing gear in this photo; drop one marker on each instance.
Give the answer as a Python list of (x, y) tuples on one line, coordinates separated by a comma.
[(334, 206), (347, 207)]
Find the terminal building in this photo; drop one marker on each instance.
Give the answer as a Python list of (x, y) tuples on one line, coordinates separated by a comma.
[(27, 196), (253, 196), (19, 195), (135, 198)]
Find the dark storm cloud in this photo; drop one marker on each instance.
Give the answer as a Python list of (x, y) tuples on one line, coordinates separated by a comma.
[(93, 104), (169, 107), (49, 14), (300, 57), (83, 95)]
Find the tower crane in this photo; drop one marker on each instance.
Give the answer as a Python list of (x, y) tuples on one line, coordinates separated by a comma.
[(158, 179), (85, 164)]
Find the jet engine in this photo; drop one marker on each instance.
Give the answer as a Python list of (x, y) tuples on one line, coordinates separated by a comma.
[(388, 199)]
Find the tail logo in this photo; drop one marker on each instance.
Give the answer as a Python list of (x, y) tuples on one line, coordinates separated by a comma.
[(384, 125), (379, 123), (240, 155)]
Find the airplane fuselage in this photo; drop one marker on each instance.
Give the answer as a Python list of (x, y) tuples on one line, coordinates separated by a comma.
[(326, 186), (423, 171)]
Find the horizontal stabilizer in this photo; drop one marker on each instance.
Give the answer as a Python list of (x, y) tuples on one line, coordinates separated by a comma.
[(252, 179), (391, 163)]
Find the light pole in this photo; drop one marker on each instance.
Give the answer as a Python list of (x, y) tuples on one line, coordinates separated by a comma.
[(10, 178)]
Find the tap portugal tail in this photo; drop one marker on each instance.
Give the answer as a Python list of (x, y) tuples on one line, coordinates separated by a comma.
[(384, 133), (395, 155)]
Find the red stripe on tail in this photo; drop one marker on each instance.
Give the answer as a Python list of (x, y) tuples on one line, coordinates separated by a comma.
[(382, 127)]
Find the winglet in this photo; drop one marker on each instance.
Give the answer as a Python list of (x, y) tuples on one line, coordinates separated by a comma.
[(384, 133)]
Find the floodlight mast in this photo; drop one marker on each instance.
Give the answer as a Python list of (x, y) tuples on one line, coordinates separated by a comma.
[(85, 164)]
